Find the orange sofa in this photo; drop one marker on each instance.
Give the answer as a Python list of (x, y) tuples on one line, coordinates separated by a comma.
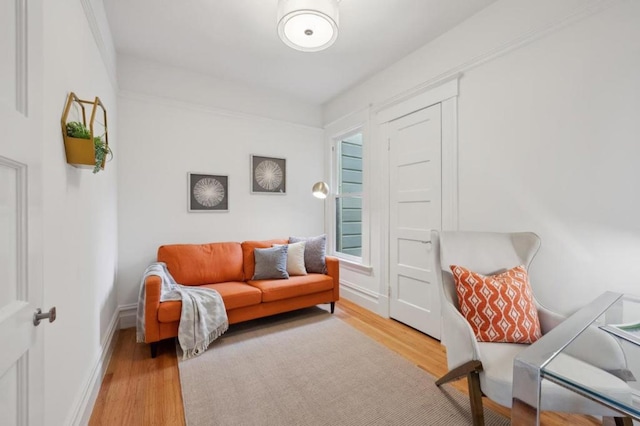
[(228, 268)]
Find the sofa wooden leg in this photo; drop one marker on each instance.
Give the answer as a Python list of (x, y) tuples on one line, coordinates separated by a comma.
[(154, 349), (333, 306)]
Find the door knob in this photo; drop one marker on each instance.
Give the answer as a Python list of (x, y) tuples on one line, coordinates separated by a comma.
[(40, 316)]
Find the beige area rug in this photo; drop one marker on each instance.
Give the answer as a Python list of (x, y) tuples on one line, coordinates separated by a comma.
[(309, 368)]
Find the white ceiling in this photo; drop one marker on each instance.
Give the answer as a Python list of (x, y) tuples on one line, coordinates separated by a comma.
[(237, 40)]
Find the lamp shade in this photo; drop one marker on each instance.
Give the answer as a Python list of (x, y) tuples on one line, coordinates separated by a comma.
[(308, 25), (320, 190)]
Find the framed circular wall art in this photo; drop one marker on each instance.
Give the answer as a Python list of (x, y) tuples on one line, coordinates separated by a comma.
[(268, 175), (208, 193)]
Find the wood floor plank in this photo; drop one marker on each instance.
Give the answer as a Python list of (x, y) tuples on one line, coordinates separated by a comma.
[(140, 390)]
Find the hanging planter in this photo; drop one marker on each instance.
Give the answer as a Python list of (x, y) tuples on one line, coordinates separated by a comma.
[(82, 147)]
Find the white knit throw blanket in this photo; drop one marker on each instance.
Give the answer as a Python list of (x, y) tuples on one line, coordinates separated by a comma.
[(203, 318)]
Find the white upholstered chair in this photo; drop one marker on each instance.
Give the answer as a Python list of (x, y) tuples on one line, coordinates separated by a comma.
[(489, 366)]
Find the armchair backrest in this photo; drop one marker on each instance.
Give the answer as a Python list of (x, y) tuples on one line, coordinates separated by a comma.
[(487, 253)]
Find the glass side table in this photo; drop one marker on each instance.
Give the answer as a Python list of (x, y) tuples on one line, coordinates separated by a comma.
[(605, 335)]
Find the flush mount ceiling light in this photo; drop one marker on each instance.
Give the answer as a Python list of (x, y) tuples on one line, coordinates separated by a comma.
[(308, 25)]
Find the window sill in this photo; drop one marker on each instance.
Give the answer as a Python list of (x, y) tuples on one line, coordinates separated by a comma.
[(355, 266)]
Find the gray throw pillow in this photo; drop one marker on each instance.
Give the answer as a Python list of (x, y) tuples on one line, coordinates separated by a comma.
[(314, 253), (271, 263)]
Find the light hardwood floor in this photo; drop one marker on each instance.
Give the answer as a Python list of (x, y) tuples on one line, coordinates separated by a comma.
[(139, 390)]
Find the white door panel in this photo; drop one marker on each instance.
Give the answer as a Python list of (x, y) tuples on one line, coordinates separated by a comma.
[(9, 396), (415, 196), (415, 273), (408, 235), (21, 356), (410, 292), (8, 52), (415, 184), (412, 215)]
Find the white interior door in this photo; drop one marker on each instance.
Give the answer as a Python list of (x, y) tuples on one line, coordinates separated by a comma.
[(21, 347), (415, 209)]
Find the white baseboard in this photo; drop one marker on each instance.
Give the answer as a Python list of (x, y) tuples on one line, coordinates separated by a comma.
[(361, 296), (87, 398), (123, 317), (128, 315)]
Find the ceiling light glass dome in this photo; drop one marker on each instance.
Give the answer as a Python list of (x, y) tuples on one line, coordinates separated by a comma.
[(308, 25)]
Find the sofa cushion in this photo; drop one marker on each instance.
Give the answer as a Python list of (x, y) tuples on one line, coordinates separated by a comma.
[(295, 258), (196, 264), (271, 263), (249, 259), (314, 253), (234, 294), (273, 290)]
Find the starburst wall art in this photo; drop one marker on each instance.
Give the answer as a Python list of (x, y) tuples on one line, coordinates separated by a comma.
[(208, 193), (268, 175)]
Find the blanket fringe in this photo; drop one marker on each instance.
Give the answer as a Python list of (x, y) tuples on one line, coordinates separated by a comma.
[(202, 346)]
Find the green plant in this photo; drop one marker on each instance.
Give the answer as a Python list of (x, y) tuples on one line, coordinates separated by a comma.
[(75, 129), (102, 150)]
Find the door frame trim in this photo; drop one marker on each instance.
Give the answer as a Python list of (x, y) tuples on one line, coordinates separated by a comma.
[(418, 100), (446, 94)]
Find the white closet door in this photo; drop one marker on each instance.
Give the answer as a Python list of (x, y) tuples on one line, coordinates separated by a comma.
[(415, 209)]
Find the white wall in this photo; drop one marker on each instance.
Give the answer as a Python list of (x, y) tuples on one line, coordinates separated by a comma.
[(549, 143), (80, 215), (161, 141), (548, 125)]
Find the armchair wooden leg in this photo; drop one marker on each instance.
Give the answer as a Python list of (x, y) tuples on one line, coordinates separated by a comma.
[(475, 398), (154, 349), (472, 371), (333, 306), (460, 372), (623, 421)]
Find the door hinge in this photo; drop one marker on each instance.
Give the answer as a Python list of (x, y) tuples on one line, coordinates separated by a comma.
[(389, 292), (388, 144)]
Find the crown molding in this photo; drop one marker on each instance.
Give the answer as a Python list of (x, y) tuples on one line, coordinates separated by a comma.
[(108, 56), (174, 103)]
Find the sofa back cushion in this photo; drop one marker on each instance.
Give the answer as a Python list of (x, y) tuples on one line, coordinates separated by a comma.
[(249, 258), (196, 264)]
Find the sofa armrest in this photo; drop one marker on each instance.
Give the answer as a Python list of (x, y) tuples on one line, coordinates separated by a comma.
[(152, 287), (333, 270)]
